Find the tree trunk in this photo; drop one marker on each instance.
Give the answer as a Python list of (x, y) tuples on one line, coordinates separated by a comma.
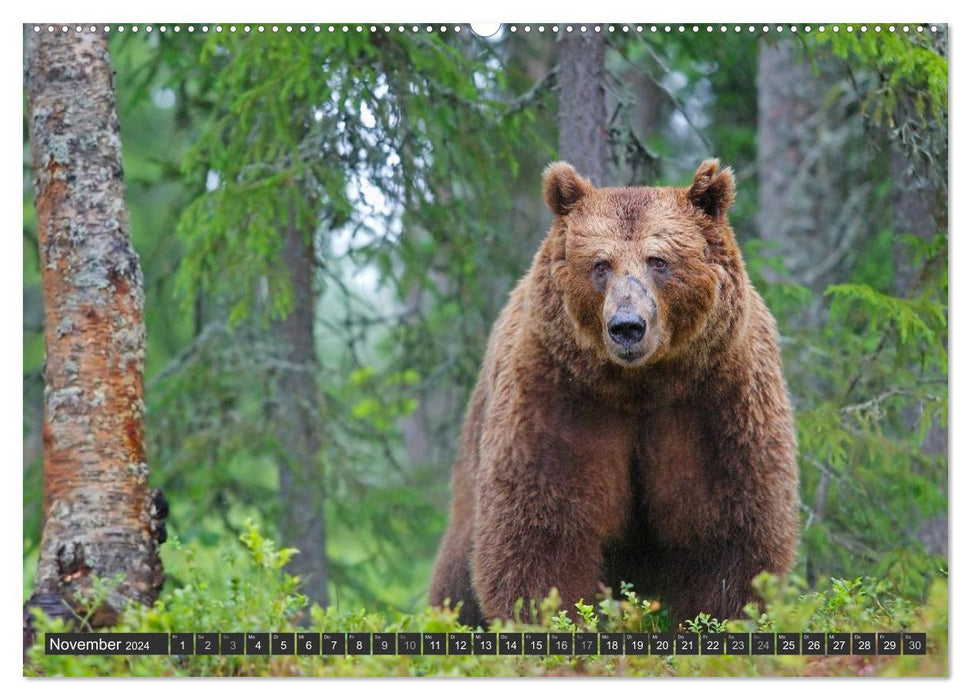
[(100, 519), (297, 420), (808, 208), (910, 200), (813, 173), (583, 107)]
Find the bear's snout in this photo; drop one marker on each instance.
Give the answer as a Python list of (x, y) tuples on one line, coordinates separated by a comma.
[(626, 327), (630, 328)]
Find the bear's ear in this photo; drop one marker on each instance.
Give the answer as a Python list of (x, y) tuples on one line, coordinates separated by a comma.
[(713, 190), (563, 187)]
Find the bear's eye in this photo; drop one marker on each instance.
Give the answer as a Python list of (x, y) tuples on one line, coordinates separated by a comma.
[(601, 268), (657, 264)]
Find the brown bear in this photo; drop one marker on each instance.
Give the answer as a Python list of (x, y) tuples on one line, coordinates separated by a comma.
[(630, 421)]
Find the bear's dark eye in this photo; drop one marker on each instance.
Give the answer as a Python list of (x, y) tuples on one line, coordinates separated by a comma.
[(601, 268), (657, 264)]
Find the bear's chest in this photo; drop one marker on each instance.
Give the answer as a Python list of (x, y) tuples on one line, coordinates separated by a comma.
[(675, 475)]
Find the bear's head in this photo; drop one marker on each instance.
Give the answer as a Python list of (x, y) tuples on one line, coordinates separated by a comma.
[(643, 270)]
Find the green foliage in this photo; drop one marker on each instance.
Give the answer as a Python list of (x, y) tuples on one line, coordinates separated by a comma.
[(921, 321), (870, 390), (305, 135), (329, 131), (869, 376), (372, 405), (901, 79), (391, 153), (257, 595), (907, 63), (704, 622)]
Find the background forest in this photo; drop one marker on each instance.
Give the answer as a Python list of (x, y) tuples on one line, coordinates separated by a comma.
[(329, 222)]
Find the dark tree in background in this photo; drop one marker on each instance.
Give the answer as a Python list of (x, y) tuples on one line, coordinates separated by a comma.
[(810, 215), (100, 519), (583, 107), (814, 169), (297, 419)]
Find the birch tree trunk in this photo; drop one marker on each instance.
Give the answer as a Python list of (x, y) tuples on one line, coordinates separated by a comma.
[(100, 518), (583, 106)]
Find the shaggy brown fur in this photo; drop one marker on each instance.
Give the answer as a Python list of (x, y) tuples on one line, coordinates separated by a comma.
[(630, 421)]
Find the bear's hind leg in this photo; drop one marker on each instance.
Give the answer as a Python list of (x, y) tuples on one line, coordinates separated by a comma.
[(716, 580), (452, 578)]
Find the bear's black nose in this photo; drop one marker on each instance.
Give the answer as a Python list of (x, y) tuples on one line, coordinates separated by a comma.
[(626, 327)]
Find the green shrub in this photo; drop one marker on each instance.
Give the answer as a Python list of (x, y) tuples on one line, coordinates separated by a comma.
[(259, 596)]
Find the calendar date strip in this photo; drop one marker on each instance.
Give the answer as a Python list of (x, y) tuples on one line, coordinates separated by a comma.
[(488, 643)]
